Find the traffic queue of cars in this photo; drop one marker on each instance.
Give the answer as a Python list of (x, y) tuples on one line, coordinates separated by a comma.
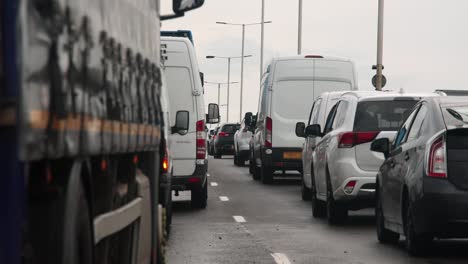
[(404, 154)]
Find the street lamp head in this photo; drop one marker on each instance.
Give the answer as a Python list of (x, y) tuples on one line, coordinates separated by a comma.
[(210, 57), (222, 23), (247, 56), (267, 22)]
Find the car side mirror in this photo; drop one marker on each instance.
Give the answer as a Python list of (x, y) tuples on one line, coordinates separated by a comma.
[(381, 145), (300, 128), (248, 117), (313, 131), (213, 114), (182, 123)]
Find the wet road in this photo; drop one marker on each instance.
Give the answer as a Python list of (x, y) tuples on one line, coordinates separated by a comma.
[(247, 222)]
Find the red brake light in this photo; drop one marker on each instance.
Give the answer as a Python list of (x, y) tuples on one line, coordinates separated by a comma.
[(223, 134), (437, 159), (314, 57), (269, 131), (201, 139), (351, 139)]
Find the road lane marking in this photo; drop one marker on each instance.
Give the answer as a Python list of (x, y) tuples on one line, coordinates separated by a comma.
[(224, 198), (214, 184), (239, 219), (280, 258)]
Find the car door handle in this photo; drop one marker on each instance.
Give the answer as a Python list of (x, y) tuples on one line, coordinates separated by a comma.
[(407, 157)]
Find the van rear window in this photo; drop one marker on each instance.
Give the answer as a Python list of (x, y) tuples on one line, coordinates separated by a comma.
[(381, 115), (230, 128)]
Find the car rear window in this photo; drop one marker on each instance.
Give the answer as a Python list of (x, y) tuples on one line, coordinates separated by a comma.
[(230, 128), (382, 115), (455, 115)]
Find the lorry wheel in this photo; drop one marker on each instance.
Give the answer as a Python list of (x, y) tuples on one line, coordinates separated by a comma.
[(336, 214), (199, 196), (266, 174), (169, 214), (160, 240)]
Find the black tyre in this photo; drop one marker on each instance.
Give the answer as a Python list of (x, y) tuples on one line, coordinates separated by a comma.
[(199, 196), (336, 213), (415, 243), (169, 214), (251, 166), (384, 235), (318, 207), (266, 175), (257, 173), (305, 192), (236, 159)]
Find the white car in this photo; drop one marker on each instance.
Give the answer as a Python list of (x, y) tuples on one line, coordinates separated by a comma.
[(318, 114), (344, 168), (288, 88), (242, 139)]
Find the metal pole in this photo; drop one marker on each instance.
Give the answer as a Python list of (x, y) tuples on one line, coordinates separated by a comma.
[(299, 30), (380, 45), (262, 40), (242, 71), (219, 90), (228, 85)]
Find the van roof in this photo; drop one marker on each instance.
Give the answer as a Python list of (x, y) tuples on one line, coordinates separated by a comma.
[(301, 57), (364, 95), (176, 39)]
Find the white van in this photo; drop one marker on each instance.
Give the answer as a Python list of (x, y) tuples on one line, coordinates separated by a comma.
[(187, 107), (288, 88)]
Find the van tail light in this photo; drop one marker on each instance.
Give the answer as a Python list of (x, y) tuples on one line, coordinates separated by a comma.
[(351, 139), (201, 139), (223, 134), (165, 161), (269, 132), (437, 160)]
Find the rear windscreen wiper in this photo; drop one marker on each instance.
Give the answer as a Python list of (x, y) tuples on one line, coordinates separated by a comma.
[(457, 115)]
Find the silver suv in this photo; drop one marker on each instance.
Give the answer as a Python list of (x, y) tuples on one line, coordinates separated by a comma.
[(344, 168)]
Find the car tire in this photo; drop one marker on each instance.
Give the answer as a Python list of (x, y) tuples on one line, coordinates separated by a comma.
[(236, 159), (266, 174), (199, 196), (305, 192), (384, 235), (415, 243), (251, 166), (336, 213), (257, 172), (319, 209)]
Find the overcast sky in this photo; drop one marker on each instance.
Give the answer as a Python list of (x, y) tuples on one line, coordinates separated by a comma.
[(425, 41)]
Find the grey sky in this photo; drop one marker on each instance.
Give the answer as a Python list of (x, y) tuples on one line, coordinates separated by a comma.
[(425, 41)]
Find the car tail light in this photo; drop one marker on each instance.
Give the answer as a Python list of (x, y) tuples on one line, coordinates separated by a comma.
[(165, 161), (223, 134), (351, 139), (245, 130), (349, 188), (437, 166), (201, 139), (269, 132)]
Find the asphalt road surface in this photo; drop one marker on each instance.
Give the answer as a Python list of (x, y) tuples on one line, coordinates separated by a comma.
[(247, 222)]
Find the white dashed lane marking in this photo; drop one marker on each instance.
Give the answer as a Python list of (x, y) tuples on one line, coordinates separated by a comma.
[(214, 184), (224, 198), (239, 219), (280, 258)]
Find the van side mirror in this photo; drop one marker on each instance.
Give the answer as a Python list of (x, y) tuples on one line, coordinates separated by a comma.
[(381, 145), (182, 6), (213, 114), (313, 131), (300, 127), (182, 123)]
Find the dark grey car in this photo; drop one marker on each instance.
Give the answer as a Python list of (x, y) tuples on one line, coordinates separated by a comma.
[(224, 141), (422, 187)]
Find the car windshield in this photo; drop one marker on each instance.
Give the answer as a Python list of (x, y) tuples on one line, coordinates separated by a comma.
[(230, 128), (382, 115), (455, 115)]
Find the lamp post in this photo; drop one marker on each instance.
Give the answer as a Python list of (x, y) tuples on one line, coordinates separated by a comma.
[(219, 88), (229, 75), (299, 30), (242, 55), (379, 66)]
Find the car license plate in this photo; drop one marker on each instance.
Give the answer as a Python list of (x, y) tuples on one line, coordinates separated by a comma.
[(292, 155)]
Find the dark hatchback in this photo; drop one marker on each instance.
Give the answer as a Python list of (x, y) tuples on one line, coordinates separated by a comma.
[(224, 141), (422, 187)]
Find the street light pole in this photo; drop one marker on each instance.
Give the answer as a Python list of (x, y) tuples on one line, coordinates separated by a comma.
[(299, 30), (219, 92), (380, 45), (261, 40), (242, 70), (228, 86)]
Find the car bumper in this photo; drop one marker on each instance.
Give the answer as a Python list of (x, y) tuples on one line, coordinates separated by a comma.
[(443, 210), (197, 179), (276, 159)]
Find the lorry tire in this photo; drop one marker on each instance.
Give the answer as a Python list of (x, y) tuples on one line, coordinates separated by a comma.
[(266, 175), (169, 215), (199, 196)]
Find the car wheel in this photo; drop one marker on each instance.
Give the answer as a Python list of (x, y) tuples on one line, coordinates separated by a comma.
[(305, 192), (251, 166), (336, 213), (318, 207), (266, 175), (199, 196), (415, 243), (383, 234), (256, 172), (236, 159)]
